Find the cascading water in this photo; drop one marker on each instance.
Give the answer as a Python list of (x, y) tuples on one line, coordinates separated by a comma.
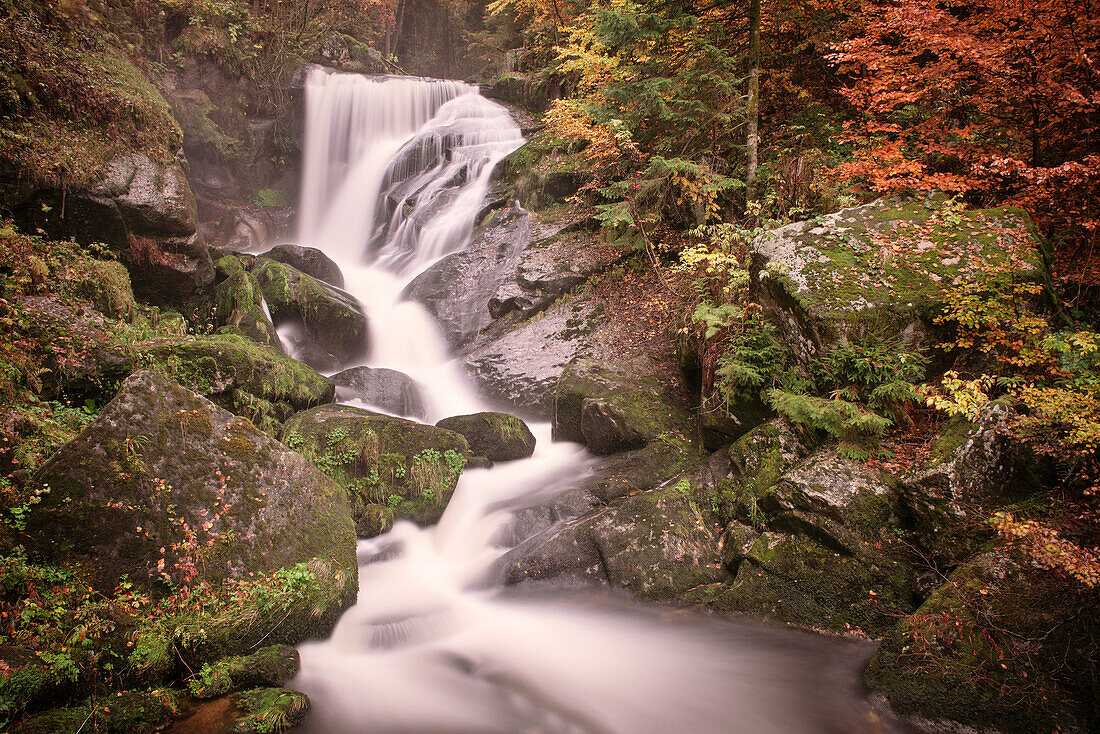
[(396, 170)]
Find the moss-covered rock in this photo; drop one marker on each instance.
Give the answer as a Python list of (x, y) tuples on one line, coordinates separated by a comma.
[(385, 462), (999, 646), (270, 666), (613, 410), (827, 281), (809, 538), (308, 260), (239, 304), (30, 684), (131, 712), (975, 469), (250, 379), (269, 709), (165, 485), (496, 436), (329, 318)]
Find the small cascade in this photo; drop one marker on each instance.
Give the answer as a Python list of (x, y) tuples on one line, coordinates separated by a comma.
[(395, 174)]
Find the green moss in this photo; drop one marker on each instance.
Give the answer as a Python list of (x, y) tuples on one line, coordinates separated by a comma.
[(270, 710), (269, 666), (950, 438)]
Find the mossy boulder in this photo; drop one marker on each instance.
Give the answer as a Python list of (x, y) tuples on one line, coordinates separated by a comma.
[(161, 465), (30, 684), (250, 379), (496, 436), (831, 280), (828, 556), (104, 283), (393, 468), (1000, 646), (310, 261), (612, 410), (239, 305), (975, 469), (269, 666), (388, 390), (328, 318)]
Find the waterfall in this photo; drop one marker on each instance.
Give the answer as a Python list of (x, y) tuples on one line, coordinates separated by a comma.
[(395, 173)]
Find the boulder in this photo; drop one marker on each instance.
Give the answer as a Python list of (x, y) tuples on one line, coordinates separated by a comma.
[(457, 289), (813, 546), (85, 353), (153, 200), (164, 485), (250, 379), (394, 468), (555, 265), (657, 544), (975, 469), (519, 365), (827, 281), (612, 410), (239, 305), (328, 317), (496, 436), (129, 711), (308, 260), (257, 709), (1000, 646), (388, 390)]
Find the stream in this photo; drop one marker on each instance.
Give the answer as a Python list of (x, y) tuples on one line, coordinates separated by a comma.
[(395, 172)]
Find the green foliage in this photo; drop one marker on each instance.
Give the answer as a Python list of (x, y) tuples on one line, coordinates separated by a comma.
[(271, 197)]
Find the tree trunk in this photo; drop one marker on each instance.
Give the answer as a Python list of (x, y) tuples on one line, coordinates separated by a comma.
[(753, 138)]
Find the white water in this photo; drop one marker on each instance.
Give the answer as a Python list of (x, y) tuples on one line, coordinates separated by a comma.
[(395, 173)]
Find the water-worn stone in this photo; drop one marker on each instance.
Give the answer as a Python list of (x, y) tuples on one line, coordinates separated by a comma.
[(827, 281), (612, 410), (154, 200), (310, 261), (657, 544), (457, 289), (519, 365), (329, 318), (388, 390), (161, 462), (496, 436), (393, 468)]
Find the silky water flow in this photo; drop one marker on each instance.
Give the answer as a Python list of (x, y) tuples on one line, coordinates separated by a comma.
[(396, 170)]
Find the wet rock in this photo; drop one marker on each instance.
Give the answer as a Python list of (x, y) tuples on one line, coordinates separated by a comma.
[(328, 317), (394, 468), (269, 666), (657, 544), (557, 264), (496, 436), (519, 366), (389, 390), (310, 261), (160, 462), (824, 282), (612, 410), (996, 633), (457, 289)]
